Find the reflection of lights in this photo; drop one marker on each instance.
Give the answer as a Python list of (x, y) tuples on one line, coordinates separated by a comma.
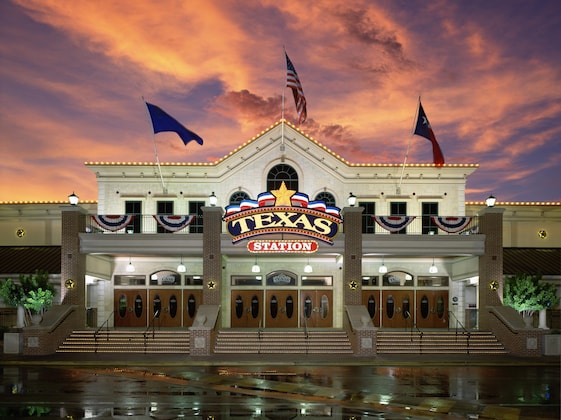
[(385, 399)]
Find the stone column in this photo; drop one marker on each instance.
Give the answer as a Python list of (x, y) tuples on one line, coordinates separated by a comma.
[(212, 255), (352, 260), (491, 282), (73, 263)]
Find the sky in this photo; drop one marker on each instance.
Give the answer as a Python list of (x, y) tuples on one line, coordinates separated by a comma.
[(73, 75)]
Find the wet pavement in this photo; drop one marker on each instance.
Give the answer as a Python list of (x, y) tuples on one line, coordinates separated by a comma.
[(169, 387)]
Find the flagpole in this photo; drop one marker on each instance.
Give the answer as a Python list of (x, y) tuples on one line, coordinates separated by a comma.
[(282, 103), (155, 149), (408, 145)]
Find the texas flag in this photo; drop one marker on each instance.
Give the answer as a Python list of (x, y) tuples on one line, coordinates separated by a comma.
[(423, 129)]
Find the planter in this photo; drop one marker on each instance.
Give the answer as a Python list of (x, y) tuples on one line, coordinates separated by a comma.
[(528, 321), (36, 319)]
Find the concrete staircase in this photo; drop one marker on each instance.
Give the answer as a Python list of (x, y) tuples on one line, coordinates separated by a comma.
[(434, 342), (172, 341), (272, 341)]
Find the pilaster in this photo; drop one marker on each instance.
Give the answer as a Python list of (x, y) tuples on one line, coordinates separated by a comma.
[(352, 259), (73, 262), (212, 255), (491, 283)]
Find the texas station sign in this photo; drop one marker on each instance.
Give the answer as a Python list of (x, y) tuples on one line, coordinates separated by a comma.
[(282, 211)]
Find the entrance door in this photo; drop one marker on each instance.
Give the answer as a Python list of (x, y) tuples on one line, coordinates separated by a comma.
[(130, 308), (281, 309), (247, 308), (316, 308), (432, 308), (371, 300), (165, 308), (397, 308), (192, 298)]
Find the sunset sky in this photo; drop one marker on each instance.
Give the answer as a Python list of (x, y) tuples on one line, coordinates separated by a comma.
[(73, 74)]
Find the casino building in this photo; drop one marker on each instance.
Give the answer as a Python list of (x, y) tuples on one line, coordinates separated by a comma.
[(282, 233)]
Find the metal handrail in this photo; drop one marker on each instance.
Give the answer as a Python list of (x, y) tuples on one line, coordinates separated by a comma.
[(306, 333), (152, 325), (413, 325), (259, 337), (98, 330), (464, 329)]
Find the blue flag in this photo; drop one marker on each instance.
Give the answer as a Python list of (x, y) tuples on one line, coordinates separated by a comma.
[(162, 121)]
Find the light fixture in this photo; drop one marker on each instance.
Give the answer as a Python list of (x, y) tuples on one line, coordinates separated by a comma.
[(433, 269), (212, 199), (255, 268), (308, 268), (130, 268), (73, 199), (352, 199), (491, 200), (181, 267), (382, 269)]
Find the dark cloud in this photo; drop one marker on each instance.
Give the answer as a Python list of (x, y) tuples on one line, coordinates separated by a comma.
[(359, 25), (249, 106)]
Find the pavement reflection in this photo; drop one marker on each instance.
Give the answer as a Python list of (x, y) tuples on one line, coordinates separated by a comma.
[(280, 392)]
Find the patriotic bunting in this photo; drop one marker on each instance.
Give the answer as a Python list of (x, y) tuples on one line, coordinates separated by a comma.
[(393, 223), (173, 223), (451, 224), (113, 222)]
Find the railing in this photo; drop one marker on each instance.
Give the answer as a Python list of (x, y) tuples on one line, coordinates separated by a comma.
[(151, 325), (98, 330), (306, 333), (147, 224), (464, 329), (143, 223), (418, 330), (259, 330)]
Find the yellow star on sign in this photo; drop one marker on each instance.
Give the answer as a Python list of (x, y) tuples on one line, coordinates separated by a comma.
[(353, 285), (211, 285), (283, 195)]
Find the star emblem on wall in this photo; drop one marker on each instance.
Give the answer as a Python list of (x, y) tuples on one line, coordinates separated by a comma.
[(211, 285), (283, 195), (353, 285)]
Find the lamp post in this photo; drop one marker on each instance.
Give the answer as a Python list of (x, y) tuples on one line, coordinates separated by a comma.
[(73, 199), (352, 200), (490, 201), (212, 199)]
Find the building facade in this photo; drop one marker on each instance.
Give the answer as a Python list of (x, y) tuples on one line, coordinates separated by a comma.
[(283, 233)]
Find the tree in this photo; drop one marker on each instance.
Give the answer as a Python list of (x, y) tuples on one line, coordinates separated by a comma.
[(33, 292), (528, 293)]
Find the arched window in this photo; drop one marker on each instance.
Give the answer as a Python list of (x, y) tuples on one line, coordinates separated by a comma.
[(280, 173), (327, 198), (237, 197)]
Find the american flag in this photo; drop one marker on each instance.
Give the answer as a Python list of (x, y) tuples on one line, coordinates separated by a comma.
[(293, 82)]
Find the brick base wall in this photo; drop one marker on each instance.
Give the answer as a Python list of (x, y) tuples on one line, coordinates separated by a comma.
[(523, 343), (40, 341)]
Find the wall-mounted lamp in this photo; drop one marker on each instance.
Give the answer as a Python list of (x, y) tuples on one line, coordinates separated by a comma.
[(73, 199), (130, 268), (433, 269), (212, 199), (351, 200), (382, 269), (181, 267), (491, 200)]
